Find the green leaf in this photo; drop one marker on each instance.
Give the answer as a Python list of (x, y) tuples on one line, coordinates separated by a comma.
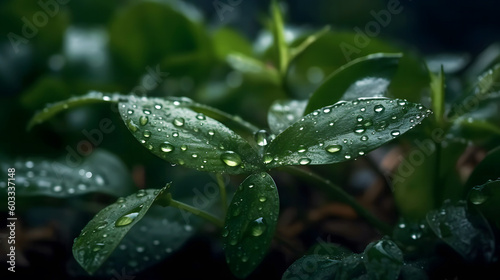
[(485, 170), (250, 223), (182, 136), (489, 82), (438, 94), (343, 131), (298, 50), (383, 260), (468, 234), (278, 29), (104, 232), (486, 197), (90, 98), (101, 172), (367, 76), (325, 267), (253, 68), (284, 113), (158, 235)]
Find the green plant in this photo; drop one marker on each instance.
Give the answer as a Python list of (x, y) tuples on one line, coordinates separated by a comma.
[(359, 107)]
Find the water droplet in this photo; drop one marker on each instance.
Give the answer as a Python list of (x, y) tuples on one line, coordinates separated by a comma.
[(331, 123), (166, 147), (127, 218), (211, 132), (478, 196), (143, 120), (141, 193), (268, 158), (231, 158), (362, 109), (140, 249), (184, 148), (361, 153), (175, 134), (178, 121), (132, 126), (200, 117), (402, 103), (146, 111), (304, 161), (130, 111), (378, 108), (333, 148), (225, 232), (146, 133), (98, 247), (359, 129), (244, 258), (101, 225), (261, 137), (347, 156), (364, 138), (262, 199), (359, 118), (158, 106), (257, 227), (395, 133), (57, 188)]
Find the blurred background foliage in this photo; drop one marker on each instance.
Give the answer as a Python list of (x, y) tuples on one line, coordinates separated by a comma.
[(187, 48)]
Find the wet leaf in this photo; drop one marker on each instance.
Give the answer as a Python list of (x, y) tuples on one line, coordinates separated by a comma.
[(71, 175), (284, 113), (182, 136), (105, 231), (367, 76), (383, 260), (158, 235), (250, 223), (326, 267), (343, 131), (485, 170), (468, 234)]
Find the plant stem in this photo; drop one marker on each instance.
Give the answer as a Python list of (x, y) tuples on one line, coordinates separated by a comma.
[(342, 195), (198, 212), (437, 177), (222, 189)]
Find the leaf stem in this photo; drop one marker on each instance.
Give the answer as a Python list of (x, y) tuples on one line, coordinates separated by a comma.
[(198, 212), (342, 195), (222, 189)]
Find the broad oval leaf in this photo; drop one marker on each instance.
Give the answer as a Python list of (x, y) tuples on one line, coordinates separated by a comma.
[(182, 136), (383, 260), (70, 176), (158, 235), (487, 169), (284, 113), (104, 232), (469, 235), (250, 223), (343, 131), (367, 76)]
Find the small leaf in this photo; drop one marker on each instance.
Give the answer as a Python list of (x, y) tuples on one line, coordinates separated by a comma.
[(92, 97), (182, 136), (158, 235), (105, 231), (367, 76), (250, 223), (284, 113), (278, 29), (438, 94), (101, 172), (383, 260), (469, 235), (227, 40), (343, 131)]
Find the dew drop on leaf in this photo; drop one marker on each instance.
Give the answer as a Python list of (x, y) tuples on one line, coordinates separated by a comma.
[(143, 120), (333, 148), (231, 158), (166, 147), (395, 133), (477, 196), (178, 122), (146, 133), (261, 137), (304, 161), (127, 218), (257, 227), (379, 108), (132, 126)]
